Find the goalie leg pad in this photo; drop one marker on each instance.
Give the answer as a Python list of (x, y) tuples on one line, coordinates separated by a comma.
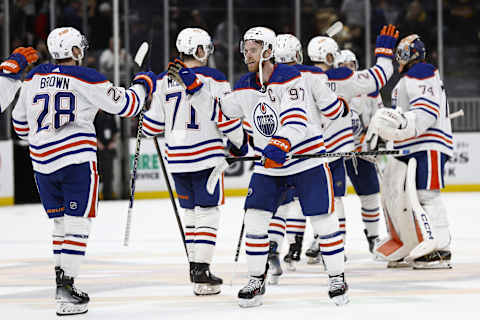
[(206, 225), (58, 235), (256, 240), (77, 230), (432, 203), (331, 242)]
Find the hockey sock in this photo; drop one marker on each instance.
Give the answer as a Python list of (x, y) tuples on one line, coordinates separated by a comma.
[(276, 229), (206, 222), (189, 222), (296, 222), (77, 230), (432, 203), (340, 213), (256, 240), (57, 237), (331, 242), (371, 213)]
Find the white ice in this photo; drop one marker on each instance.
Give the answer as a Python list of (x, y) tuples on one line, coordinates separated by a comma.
[(149, 280)]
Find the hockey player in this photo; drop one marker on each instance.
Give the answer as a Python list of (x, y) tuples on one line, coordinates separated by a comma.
[(418, 124), (194, 146), (323, 51), (55, 113), (271, 97), (362, 171), (11, 70)]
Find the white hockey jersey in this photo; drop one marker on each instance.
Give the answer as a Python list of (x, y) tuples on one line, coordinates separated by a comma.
[(349, 84), (280, 111), (363, 108), (421, 91), (56, 109), (194, 137), (8, 89)]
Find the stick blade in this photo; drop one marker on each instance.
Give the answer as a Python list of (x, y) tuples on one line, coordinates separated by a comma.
[(141, 53), (334, 29)]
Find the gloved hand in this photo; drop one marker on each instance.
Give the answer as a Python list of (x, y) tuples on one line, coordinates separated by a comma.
[(19, 59), (183, 75), (148, 80), (239, 152), (386, 41), (275, 153)]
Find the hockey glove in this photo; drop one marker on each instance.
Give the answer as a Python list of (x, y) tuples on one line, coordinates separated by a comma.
[(386, 41), (275, 153), (346, 108), (239, 152), (178, 71), (148, 80), (19, 59)]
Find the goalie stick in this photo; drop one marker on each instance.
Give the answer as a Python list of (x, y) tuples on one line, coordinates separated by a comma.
[(218, 170), (139, 58)]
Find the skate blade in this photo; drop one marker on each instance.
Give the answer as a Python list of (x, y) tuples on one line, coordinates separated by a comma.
[(249, 303), (398, 264), (291, 266), (423, 248), (341, 300), (312, 260), (68, 308), (204, 289), (432, 265), (273, 279)]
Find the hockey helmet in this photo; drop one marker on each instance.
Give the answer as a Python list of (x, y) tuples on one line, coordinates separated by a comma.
[(288, 49), (320, 47), (61, 42), (347, 56), (189, 39), (265, 35), (410, 48)]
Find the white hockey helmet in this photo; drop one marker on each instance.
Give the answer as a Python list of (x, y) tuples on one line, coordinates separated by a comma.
[(265, 35), (288, 49), (320, 47), (189, 39), (347, 56), (61, 42)]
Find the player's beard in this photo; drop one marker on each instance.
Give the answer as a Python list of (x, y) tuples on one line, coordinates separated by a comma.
[(253, 67)]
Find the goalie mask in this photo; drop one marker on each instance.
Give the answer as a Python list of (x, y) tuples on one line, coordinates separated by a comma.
[(320, 47), (189, 39), (288, 49), (410, 48), (61, 42)]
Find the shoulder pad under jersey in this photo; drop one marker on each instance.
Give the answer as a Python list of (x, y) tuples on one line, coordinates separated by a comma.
[(247, 81), (161, 75), (305, 68), (283, 73), (339, 74), (421, 71), (81, 73), (210, 73)]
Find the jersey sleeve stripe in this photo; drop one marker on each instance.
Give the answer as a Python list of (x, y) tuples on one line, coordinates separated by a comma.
[(297, 116), (147, 118), (330, 105), (427, 100), (427, 111), (374, 78), (154, 130), (21, 129), (184, 154), (127, 103), (335, 113), (427, 106), (76, 135), (132, 107), (294, 123), (214, 112), (227, 123), (22, 123), (290, 110), (379, 77), (66, 146), (137, 109), (64, 155), (194, 145), (232, 128), (383, 72)]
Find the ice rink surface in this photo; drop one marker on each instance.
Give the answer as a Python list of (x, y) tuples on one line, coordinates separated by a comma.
[(149, 280)]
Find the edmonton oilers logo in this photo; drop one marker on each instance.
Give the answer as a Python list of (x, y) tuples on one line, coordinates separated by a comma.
[(265, 119)]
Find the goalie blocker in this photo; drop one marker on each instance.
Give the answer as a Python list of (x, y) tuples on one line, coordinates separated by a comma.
[(410, 240)]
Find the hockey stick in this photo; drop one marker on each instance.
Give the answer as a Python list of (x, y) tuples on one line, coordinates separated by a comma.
[(334, 29), (456, 114), (139, 57), (170, 193), (217, 171)]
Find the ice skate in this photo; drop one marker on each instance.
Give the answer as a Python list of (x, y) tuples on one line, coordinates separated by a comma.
[(204, 282), (70, 300), (58, 280), (338, 289), (313, 253), (294, 252), (398, 264), (275, 270), (193, 265), (252, 294), (372, 241), (438, 259)]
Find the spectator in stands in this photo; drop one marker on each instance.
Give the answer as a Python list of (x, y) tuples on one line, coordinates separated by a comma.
[(100, 24), (107, 137), (107, 59), (462, 21), (72, 15), (416, 20)]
